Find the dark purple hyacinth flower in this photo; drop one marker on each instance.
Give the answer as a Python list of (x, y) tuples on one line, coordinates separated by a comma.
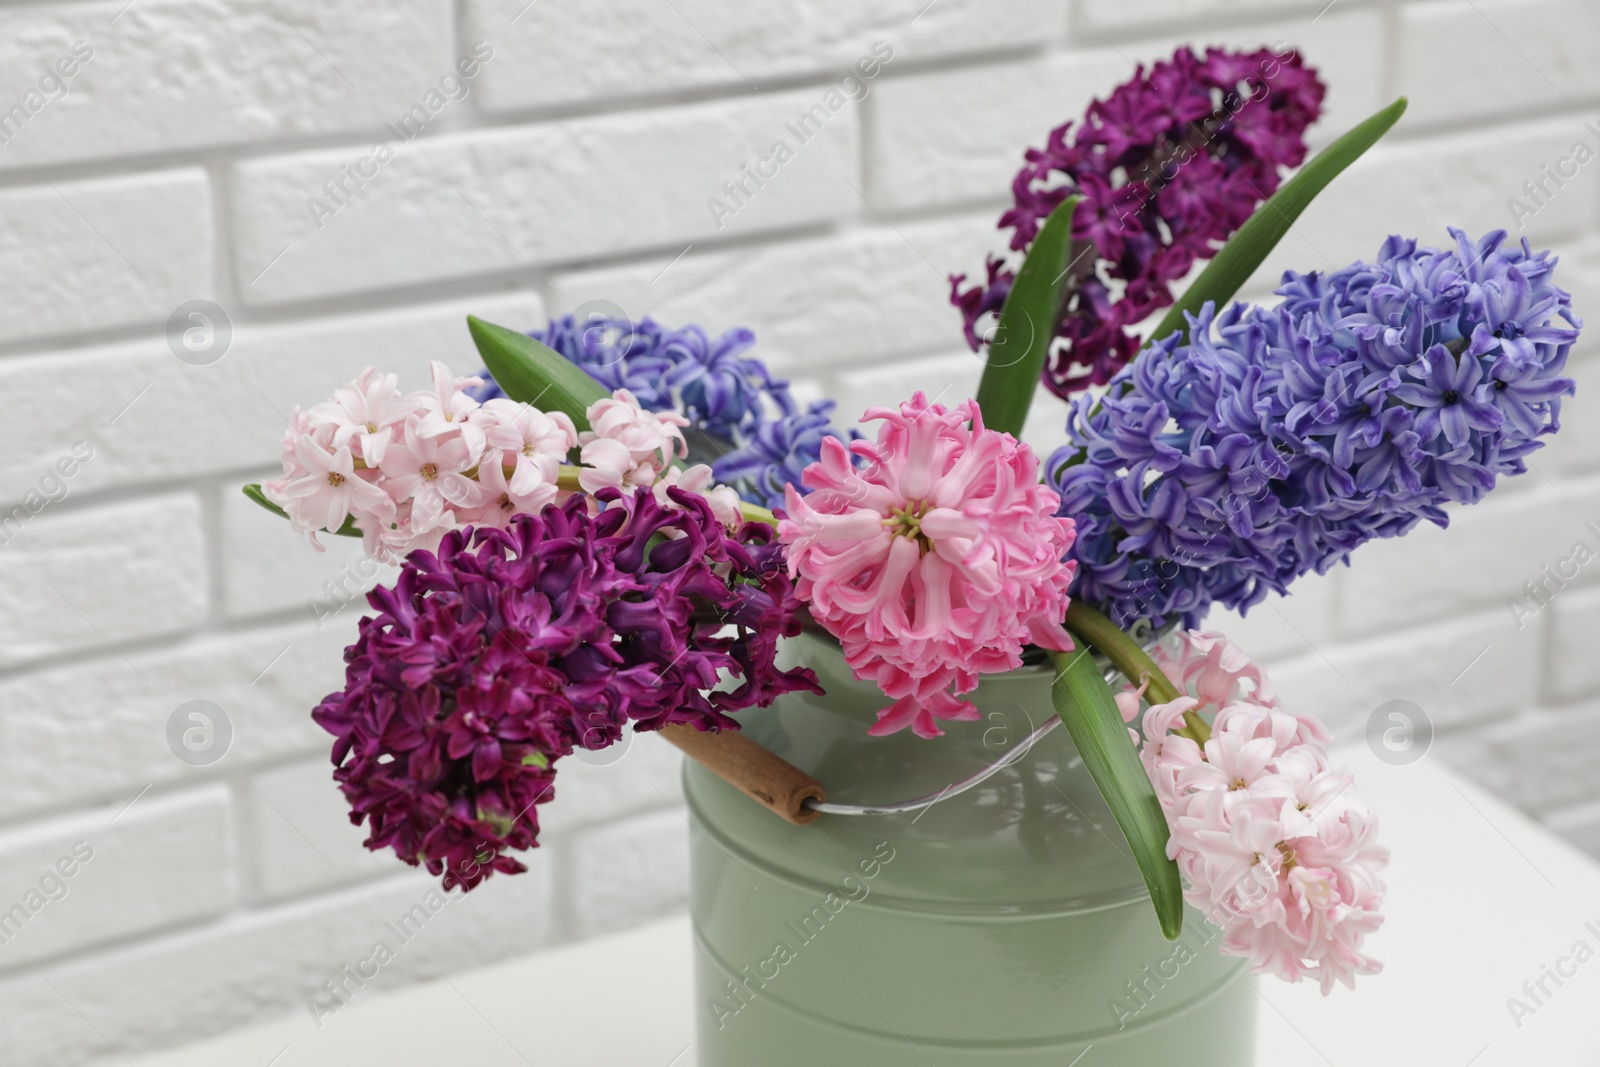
[(494, 657), (1168, 166)]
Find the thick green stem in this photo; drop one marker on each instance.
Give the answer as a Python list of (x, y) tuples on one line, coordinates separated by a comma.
[(1134, 663)]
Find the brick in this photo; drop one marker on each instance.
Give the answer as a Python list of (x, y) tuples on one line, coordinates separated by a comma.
[(87, 580), (862, 298), (1485, 558), (593, 788), (1573, 669), (632, 48), (1574, 452), (265, 964), (233, 412), (162, 862), (1046, 427), (1539, 763), (107, 252), (954, 136), (948, 379), (95, 731), (628, 872), (267, 567), (1463, 672), (1420, 188), (1096, 15), (1527, 56), (300, 833), (222, 71), (509, 199)]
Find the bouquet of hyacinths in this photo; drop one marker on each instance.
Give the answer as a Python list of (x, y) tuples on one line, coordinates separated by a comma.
[(566, 576)]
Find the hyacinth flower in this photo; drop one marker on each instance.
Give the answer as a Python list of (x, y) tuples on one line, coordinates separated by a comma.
[(938, 560), (752, 433), (1165, 169), (402, 471), (504, 650), (1274, 441), (1275, 844)]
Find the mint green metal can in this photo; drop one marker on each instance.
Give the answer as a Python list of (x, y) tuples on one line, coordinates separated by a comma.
[(1007, 925)]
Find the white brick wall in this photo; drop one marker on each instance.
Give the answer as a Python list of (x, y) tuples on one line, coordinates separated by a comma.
[(177, 162), (105, 252)]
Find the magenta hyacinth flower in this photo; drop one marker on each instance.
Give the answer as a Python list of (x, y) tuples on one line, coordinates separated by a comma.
[(1167, 167), (495, 656)]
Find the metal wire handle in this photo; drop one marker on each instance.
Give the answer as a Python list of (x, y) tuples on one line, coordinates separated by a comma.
[(1140, 631), (951, 790)]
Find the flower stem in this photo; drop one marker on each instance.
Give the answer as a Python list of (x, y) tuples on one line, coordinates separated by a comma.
[(1134, 663)]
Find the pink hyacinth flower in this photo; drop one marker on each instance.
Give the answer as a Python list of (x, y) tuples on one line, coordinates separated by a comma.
[(534, 443), (448, 409), (628, 446), (430, 472), (1276, 846), (934, 562), (366, 411), (321, 488)]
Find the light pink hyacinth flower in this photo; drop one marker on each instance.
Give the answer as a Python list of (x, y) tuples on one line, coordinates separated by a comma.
[(934, 562), (1275, 845), (628, 446), (407, 469)]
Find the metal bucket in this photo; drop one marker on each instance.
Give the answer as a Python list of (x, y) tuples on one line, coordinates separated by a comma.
[(1006, 925)]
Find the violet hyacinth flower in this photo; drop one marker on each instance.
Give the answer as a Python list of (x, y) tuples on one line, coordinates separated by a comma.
[(752, 432), (1274, 442), (494, 657), (1167, 166)]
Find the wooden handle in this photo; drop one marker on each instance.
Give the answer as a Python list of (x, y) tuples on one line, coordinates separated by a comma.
[(773, 783)]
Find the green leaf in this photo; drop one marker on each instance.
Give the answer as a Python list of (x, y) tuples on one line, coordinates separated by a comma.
[(1261, 232), (253, 491), (1027, 325), (533, 373), (1086, 706)]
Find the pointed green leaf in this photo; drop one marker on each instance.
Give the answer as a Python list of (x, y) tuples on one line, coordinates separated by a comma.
[(533, 373), (253, 491), (1027, 325), (1087, 707), (1261, 232)]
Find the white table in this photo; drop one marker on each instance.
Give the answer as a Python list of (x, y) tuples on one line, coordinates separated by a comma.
[(1480, 900)]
